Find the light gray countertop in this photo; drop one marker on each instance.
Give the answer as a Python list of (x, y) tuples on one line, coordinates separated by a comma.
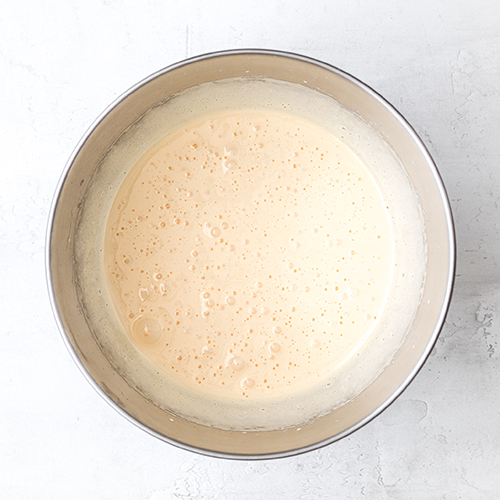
[(63, 62)]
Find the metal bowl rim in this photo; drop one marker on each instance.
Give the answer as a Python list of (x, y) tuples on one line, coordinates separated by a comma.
[(447, 211)]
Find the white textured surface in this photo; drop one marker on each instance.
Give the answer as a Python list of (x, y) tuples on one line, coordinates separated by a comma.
[(63, 62)]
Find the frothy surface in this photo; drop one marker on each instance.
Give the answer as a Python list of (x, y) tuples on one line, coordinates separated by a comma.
[(256, 331), (249, 254)]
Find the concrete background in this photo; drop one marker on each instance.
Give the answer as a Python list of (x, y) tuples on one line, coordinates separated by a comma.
[(63, 62)]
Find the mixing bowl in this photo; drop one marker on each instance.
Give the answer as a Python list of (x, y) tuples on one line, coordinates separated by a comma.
[(78, 181)]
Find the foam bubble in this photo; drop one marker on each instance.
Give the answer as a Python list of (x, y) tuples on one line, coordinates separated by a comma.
[(146, 331), (274, 347), (236, 363), (247, 383)]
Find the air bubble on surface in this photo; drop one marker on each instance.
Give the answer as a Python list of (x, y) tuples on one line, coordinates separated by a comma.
[(146, 331)]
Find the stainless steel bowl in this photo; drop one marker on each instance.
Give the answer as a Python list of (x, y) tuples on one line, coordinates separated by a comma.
[(439, 233)]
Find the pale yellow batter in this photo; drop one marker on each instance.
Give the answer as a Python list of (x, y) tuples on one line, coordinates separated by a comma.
[(249, 254)]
